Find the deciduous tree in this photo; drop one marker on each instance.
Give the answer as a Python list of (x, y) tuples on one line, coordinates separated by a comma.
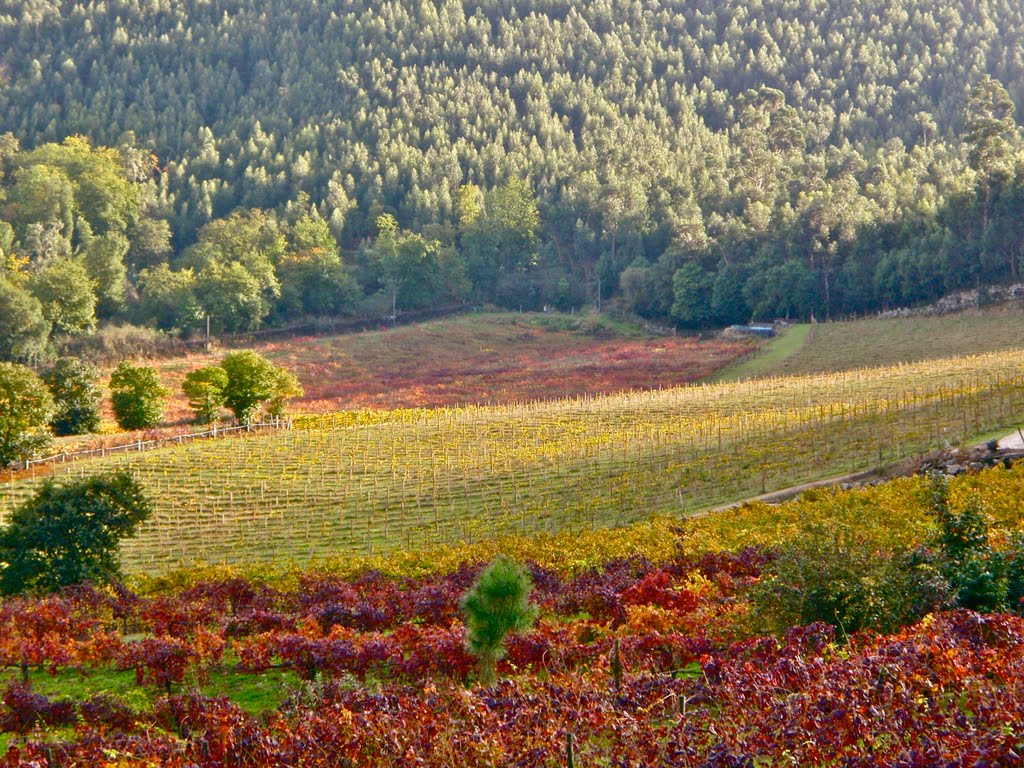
[(234, 261), (205, 389), (73, 384), (26, 408), (137, 396), (24, 330), (408, 264), (66, 293), (252, 379), (286, 387), (691, 290), (314, 281), (168, 298), (68, 534)]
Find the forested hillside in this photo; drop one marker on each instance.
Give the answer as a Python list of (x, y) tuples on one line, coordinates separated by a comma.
[(705, 161)]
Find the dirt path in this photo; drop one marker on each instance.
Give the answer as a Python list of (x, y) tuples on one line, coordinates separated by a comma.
[(855, 478), (1011, 442)]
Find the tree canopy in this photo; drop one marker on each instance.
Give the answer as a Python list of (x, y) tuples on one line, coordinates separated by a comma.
[(23, 328), (76, 394), (252, 380), (211, 160), (137, 396), (68, 534), (26, 408), (205, 389)]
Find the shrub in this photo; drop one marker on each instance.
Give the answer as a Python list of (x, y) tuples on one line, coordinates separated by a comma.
[(116, 342), (834, 576), (1015, 574), (976, 572)]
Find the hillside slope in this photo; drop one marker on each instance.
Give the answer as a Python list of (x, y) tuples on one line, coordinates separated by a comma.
[(706, 161), (844, 346), (376, 481), (479, 358)]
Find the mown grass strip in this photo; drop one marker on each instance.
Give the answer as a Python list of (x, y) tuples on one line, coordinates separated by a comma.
[(766, 359)]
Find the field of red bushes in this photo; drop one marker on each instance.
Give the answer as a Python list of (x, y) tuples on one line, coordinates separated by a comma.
[(482, 358), (639, 664)]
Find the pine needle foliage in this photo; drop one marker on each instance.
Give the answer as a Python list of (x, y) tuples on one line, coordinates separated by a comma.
[(497, 604)]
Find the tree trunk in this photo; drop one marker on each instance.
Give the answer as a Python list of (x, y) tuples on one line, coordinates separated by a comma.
[(984, 211), (828, 297)]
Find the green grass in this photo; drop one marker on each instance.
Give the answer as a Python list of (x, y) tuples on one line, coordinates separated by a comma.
[(875, 342), (253, 692), (842, 346), (769, 357), (79, 685)]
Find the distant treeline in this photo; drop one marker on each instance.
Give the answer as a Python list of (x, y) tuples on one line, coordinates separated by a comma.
[(704, 162)]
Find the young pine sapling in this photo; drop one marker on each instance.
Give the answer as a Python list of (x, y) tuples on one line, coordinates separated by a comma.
[(497, 604)]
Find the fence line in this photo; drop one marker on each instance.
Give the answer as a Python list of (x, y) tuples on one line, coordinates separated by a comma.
[(148, 445)]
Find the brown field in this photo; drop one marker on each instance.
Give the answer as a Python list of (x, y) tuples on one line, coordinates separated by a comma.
[(480, 358)]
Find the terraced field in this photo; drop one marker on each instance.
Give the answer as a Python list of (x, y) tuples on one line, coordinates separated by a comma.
[(377, 481)]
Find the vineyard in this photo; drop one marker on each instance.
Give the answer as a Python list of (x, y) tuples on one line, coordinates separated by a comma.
[(890, 515), (375, 481), (637, 661)]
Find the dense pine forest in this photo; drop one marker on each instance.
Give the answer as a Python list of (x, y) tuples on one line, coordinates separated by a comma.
[(701, 162)]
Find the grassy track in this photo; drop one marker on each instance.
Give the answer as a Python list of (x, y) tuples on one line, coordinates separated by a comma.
[(870, 343), (768, 358), (411, 478)]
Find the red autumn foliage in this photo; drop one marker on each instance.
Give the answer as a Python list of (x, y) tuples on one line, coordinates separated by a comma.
[(947, 691)]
